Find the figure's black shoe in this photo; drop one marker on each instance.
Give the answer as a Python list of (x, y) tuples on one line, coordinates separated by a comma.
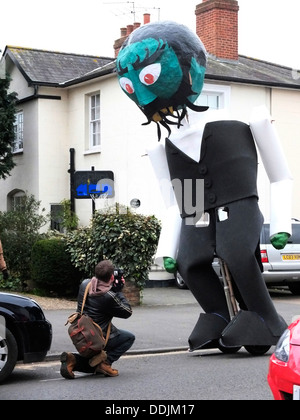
[(249, 329), (207, 332)]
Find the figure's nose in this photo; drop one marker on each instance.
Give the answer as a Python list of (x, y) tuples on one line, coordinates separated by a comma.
[(143, 94)]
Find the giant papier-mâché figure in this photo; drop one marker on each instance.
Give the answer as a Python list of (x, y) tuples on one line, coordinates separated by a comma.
[(161, 67)]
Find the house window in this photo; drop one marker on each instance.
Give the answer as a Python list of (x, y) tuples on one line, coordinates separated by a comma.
[(16, 200), (17, 145), (94, 121), (214, 96), (56, 217), (209, 99)]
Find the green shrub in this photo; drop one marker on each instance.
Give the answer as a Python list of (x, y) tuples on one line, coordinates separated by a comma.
[(51, 268), (69, 219), (19, 230), (126, 238), (11, 284)]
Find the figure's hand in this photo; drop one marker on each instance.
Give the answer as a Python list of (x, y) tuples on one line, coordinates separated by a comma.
[(170, 265), (5, 274), (279, 240)]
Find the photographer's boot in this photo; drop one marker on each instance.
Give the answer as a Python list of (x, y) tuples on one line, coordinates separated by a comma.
[(106, 369), (98, 358), (68, 362)]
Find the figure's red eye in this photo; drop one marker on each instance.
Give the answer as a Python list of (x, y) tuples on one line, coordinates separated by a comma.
[(149, 79), (127, 85), (150, 74)]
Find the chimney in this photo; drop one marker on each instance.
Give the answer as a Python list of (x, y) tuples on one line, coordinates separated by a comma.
[(124, 32), (146, 18), (217, 27), (127, 31)]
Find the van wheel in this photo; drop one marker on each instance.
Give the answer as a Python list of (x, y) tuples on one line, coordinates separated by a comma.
[(295, 288), (257, 350), (180, 283), (228, 350)]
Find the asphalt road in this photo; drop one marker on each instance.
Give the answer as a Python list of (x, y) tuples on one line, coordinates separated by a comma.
[(175, 376), (151, 374)]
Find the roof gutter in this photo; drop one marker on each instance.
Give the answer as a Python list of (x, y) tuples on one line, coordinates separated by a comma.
[(105, 70), (252, 82), (33, 97), (36, 95)]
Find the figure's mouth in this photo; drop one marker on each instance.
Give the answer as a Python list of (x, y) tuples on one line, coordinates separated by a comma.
[(165, 117), (169, 115), (159, 116), (158, 109)]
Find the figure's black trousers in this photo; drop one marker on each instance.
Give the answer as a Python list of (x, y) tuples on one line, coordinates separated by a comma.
[(235, 240)]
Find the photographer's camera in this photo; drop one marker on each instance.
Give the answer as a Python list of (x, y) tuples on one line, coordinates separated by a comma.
[(118, 284)]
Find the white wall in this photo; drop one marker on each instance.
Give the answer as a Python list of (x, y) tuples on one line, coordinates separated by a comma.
[(123, 144), (18, 83), (286, 113), (284, 106), (53, 146), (25, 175)]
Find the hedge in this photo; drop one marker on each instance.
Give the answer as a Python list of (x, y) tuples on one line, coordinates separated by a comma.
[(116, 233), (51, 268)]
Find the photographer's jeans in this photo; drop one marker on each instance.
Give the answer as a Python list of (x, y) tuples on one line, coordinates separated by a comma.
[(115, 348)]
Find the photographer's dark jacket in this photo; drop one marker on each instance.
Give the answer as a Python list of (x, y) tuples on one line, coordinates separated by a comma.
[(103, 307)]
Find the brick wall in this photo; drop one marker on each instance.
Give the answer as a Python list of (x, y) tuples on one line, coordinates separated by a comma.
[(217, 27)]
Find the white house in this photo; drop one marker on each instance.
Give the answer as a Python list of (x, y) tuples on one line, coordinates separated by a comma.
[(72, 115)]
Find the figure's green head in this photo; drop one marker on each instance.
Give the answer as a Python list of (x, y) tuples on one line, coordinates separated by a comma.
[(161, 67)]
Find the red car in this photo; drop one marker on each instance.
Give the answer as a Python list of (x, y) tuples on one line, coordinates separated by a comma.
[(284, 368)]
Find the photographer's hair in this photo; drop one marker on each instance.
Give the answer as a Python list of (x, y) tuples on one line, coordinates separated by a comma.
[(104, 270)]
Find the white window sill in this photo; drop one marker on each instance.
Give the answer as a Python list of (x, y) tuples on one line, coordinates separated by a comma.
[(92, 151)]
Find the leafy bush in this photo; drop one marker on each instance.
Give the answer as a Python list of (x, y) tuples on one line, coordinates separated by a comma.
[(69, 219), (52, 270), (126, 238), (19, 230), (12, 284)]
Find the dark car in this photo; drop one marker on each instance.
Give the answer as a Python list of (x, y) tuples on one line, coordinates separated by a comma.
[(25, 334), (281, 267)]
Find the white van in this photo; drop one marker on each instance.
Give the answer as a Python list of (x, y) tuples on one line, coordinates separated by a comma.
[(281, 267)]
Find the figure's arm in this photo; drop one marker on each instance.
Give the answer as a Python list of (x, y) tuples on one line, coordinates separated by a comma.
[(278, 172), (171, 223), (169, 239)]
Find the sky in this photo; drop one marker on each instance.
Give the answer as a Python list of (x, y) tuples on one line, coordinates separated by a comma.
[(268, 29)]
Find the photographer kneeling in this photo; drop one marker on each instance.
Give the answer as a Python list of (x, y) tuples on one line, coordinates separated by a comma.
[(105, 300)]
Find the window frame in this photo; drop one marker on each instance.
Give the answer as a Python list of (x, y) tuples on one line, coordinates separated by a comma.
[(15, 199), (18, 133), (56, 211), (222, 92), (94, 122)]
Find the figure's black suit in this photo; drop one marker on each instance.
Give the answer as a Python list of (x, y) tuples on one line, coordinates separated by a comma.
[(228, 165)]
